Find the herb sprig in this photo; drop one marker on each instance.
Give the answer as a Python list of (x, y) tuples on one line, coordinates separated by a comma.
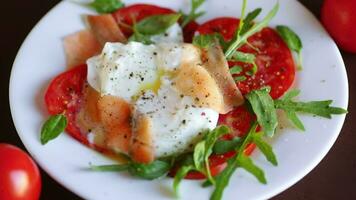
[(53, 127), (106, 6), (318, 108), (293, 41), (153, 25), (193, 14)]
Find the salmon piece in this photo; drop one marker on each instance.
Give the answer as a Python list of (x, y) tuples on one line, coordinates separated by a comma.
[(91, 103), (142, 150), (80, 46), (215, 63), (105, 29), (192, 79), (115, 116)]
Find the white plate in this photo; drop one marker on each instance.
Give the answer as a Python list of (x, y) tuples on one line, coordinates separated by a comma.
[(41, 57)]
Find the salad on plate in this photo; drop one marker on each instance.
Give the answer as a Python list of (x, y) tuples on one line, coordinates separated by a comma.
[(166, 96)]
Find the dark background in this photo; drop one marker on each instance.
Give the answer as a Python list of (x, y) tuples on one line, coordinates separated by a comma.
[(333, 178)]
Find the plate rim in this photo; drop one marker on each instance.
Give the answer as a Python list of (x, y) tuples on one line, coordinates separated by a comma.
[(277, 190)]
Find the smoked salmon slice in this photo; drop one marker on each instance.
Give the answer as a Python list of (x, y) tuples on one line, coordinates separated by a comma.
[(80, 46), (105, 29)]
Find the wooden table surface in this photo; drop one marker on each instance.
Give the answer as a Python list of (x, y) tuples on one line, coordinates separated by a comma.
[(333, 178)]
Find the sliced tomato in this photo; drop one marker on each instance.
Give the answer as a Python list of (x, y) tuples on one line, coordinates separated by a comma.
[(126, 16), (64, 95), (275, 63), (189, 31)]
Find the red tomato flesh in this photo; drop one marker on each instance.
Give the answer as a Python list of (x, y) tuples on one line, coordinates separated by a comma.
[(338, 17), (126, 16), (275, 63), (64, 95), (20, 178)]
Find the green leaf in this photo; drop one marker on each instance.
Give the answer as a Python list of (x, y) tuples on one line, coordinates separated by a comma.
[(242, 39), (244, 57), (204, 41), (199, 156), (182, 172), (246, 163), (224, 146), (240, 78), (204, 149), (236, 69), (209, 40), (263, 106), (222, 180), (292, 116), (110, 168), (193, 14), (248, 21), (156, 24), (53, 127), (265, 148), (138, 37), (150, 171), (106, 6), (291, 94), (319, 108), (292, 40)]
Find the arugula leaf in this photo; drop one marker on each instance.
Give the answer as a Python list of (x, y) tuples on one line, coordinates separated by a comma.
[(193, 14), (110, 168), (224, 146), (244, 57), (222, 180), (240, 78), (248, 21), (263, 106), (246, 163), (242, 39), (208, 40), (150, 171), (106, 6), (204, 149), (293, 117), (236, 69), (53, 127), (199, 156), (293, 41), (265, 148), (156, 24), (319, 108), (204, 41), (182, 172)]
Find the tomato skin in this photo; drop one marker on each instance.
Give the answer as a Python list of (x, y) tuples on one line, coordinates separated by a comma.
[(275, 62), (20, 178), (338, 17), (64, 95), (126, 16)]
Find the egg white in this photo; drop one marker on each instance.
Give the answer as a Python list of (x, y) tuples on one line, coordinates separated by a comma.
[(139, 74)]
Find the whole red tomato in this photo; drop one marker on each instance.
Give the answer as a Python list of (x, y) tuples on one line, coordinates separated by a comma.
[(19, 176), (339, 17)]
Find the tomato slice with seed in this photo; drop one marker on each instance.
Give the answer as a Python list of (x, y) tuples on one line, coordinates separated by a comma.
[(126, 16), (64, 95), (274, 60)]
